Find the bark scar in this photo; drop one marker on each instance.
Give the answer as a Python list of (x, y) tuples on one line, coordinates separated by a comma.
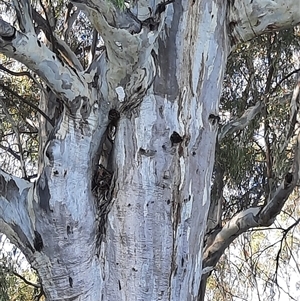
[(38, 241)]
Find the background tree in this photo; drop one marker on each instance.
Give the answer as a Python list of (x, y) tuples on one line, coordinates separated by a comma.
[(18, 281), (252, 158), (127, 142), (19, 126)]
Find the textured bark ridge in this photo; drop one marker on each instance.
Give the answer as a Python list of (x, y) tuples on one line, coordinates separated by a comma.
[(119, 209)]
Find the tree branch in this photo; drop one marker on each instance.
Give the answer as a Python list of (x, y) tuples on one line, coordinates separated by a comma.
[(15, 206), (283, 79), (29, 103), (24, 15), (123, 48), (27, 49), (240, 123), (248, 19), (115, 17), (294, 109), (129, 48), (58, 44), (25, 280), (69, 20), (21, 73), (18, 136), (9, 150)]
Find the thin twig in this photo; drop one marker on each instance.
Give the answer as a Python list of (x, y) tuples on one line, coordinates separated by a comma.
[(27, 102), (25, 280), (16, 130), (283, 79)]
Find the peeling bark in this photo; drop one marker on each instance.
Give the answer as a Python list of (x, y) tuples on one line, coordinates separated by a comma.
[(119, 209)]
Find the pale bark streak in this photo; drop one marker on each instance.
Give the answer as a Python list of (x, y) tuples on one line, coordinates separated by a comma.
[(27, 49)]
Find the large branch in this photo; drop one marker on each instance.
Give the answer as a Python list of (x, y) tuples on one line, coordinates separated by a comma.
[(16, 215), (24, 15), (250, 18), (60, 45), (129, 47), (27, 49), (114, 16), (116, 29), (250, 218)]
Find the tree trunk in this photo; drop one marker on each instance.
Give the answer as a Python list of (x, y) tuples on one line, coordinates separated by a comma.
[(119, 210), (154, 233)]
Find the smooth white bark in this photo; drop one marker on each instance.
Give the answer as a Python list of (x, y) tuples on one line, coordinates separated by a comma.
[(250, 18), (164, 77)]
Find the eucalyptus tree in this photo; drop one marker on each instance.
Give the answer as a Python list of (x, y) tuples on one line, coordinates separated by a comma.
[(127, 143), (252, 158)]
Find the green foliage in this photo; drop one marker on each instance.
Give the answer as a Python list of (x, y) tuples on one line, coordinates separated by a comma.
[(119, 3), (254, 161), (17, 281), (261, 70), (14, 288), (4, 285), (20, 119)]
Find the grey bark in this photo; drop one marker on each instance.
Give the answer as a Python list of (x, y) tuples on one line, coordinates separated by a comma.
[(131, 228)]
